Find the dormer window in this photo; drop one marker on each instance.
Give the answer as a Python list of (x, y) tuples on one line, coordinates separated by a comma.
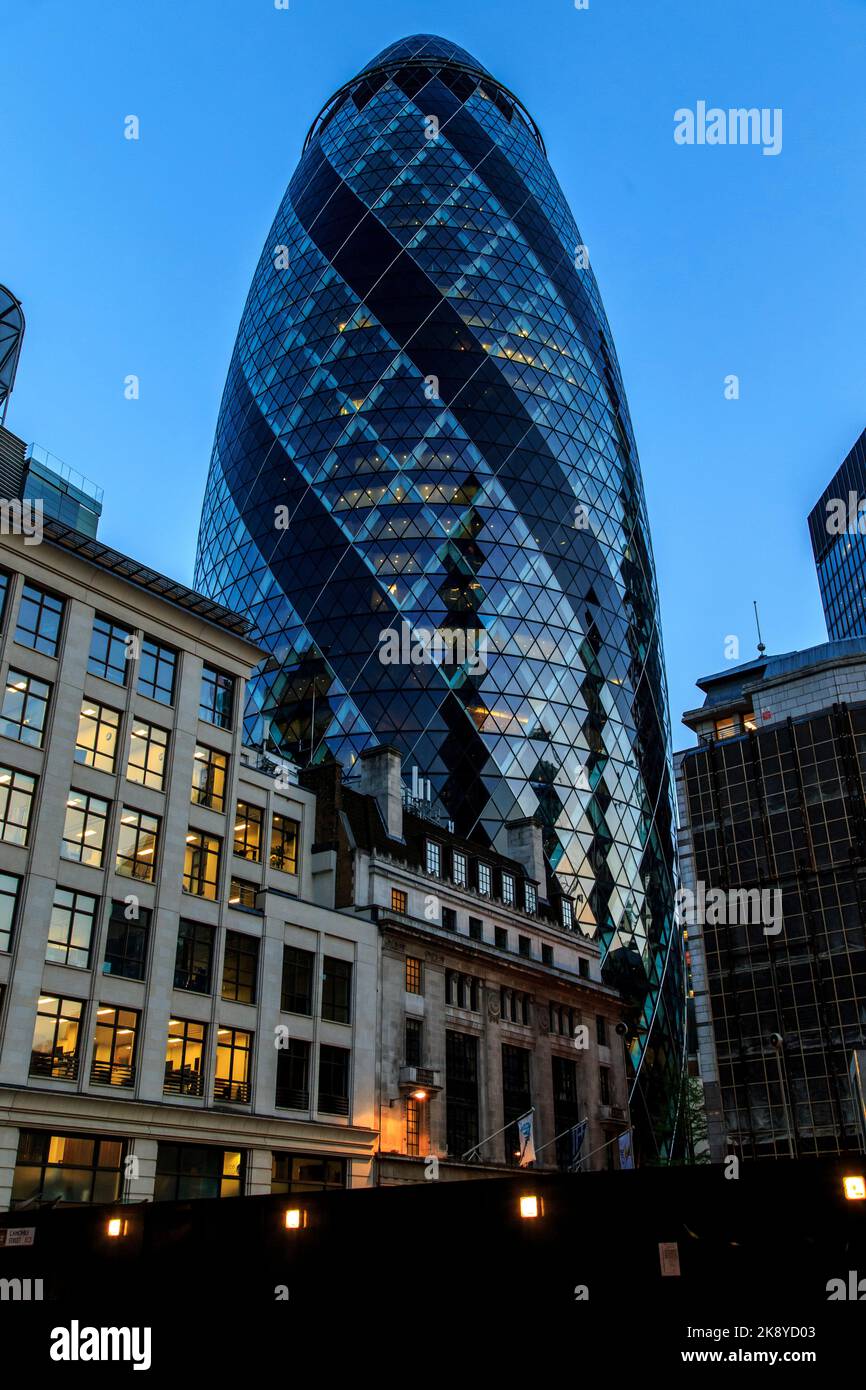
[(458, 868), (567, 914), (508, 889), (434, 858), (530, 897), (484, 878)]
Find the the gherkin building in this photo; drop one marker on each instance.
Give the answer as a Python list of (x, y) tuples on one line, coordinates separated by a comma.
[(424, 431)]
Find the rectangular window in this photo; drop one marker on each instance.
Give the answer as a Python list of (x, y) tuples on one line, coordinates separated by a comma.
[(148, 746), (217, 700), (583, 967), (476, 929), (566, 1112), (516, 1097), (110, 651), (296, 996), (567, 914), (234, 1053), (500, 935), (284, 844), (201, 865), (126, 943), (40, 616), (459, 868), (293, 1076), (10, 897), (414, 976), (137, 845), (337, 990), (183, 1058), (484, 878), (97, 739), (84, 829), (307, 1173), (187, 1171), (333, 1080), (433, 857), (24, 711), (530, 897), (413, 1042), (399, 901), (604, 1085), (70, 930), (17, 790), (157, 668), (547, 955), (413, 1127), (240, 967), (56, 1038), (66, 1168), (4, 594), (209, 770), (194, 957), (242, 894), (524, 945), (462, 991), (508, 890), (449, 919), (248, 832), (601, 1030), (114, 1046), (461, 1092)]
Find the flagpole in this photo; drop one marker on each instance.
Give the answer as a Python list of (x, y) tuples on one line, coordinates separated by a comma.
[(486, 1140), (561, 1134)]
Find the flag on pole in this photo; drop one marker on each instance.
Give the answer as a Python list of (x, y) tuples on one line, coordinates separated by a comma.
[(577, 1134), (626, 1157), (527, 1140)]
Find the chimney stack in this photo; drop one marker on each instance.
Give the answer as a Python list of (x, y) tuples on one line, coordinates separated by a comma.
[(524, 845), (380, 777)]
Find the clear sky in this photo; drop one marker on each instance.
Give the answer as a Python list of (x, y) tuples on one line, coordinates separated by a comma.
[(135, 257)]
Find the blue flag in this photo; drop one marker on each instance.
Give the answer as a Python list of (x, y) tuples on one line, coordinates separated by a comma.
[(577, 1134)]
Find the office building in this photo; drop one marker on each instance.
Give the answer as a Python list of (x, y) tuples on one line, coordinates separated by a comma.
[(837, 530), (773, 854)]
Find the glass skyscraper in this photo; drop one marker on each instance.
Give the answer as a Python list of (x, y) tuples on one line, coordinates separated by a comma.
[(837, 530), (424, 431)]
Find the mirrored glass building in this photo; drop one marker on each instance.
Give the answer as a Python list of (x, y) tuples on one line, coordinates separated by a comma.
[(425, 492)]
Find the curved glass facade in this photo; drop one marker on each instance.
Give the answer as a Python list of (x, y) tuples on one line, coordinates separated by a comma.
[(425, 492)]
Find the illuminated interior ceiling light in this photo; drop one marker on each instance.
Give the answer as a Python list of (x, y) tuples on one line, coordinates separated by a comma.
[(855, 1187), (530, 1207)]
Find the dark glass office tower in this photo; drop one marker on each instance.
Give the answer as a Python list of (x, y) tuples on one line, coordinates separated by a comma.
[(773, 803), (424, 429), (837, 530)]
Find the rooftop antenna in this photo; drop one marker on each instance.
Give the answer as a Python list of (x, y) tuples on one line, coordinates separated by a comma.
[(761, 647)]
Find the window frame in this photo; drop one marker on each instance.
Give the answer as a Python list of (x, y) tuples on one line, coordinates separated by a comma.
[(195, 871), (100, 667), (51, 645), (139, 858), (208, 710), (161, 656), (280, 837), (28, 700), (64, 949), (214, 762), (99, 724), (89, 816), (145, 737)]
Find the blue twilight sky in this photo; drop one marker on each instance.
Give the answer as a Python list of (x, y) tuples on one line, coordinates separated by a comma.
[(135, 257)]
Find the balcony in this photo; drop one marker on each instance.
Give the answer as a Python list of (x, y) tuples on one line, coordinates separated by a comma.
[(420, 1079)]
